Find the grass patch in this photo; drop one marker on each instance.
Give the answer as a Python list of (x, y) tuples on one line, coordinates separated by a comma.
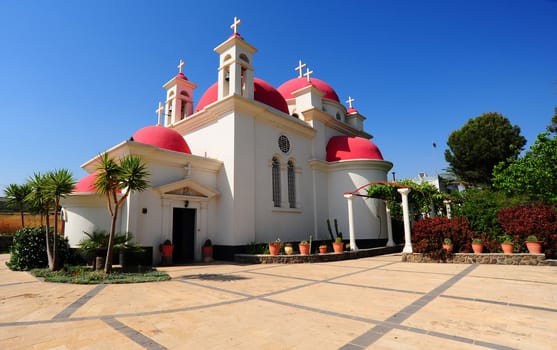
[(86, 275)]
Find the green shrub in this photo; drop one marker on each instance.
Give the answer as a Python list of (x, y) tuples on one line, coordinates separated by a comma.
[(29, 249)]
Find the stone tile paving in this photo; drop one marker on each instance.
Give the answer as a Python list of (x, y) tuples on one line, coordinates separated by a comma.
[(370, 303)]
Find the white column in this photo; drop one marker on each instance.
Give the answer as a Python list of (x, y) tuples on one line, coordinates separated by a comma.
[(390, 241), (448, 207), (353, 245), (405, 212)]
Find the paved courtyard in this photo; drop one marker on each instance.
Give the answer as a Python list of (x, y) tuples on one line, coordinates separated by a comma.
[(371, 303)]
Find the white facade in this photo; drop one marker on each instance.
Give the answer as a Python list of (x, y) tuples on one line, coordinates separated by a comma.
[(245, 154)]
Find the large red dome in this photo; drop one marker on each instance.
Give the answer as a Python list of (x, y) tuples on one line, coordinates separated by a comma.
[(347, 148), (159, 136), (292, 85), (262, 91), (86, 184)]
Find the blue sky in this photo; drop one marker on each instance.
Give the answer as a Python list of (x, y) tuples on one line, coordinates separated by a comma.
[(78, 77)]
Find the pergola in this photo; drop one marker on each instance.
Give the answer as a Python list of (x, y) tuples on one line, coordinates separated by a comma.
[(403, 190)]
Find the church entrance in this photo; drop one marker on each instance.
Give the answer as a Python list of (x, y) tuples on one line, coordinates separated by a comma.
[(183, 235)]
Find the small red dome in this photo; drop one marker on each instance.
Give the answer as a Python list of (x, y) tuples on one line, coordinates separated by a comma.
[(86, 184), (181, 76), (352, 111), (159, 136), (292, 85), (347, 148), (262, 92)]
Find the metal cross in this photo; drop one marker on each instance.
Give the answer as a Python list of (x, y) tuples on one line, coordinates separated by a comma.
[(235, 25), (181, 65), (159, 113), (308, 73), (300, 68), (349, 101)]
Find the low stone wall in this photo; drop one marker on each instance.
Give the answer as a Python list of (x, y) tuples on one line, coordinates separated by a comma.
[(488, 258), (313, 258)]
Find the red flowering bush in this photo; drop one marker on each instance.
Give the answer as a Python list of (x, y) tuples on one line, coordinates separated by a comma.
[(539, 220), (428, 235)]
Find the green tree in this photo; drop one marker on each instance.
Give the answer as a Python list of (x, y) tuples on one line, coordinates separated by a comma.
[(116, 181), (553, 126), (47, 190), (16, 195), (480, 144), (534, 174)]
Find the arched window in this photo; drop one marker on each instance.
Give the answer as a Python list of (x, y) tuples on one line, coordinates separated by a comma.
[(291, 185), (276, 182)]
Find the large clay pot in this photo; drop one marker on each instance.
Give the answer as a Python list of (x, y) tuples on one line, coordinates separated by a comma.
[(338, 247), (207, 252), (167, 249), (478, 248), (304, 249), (507, 248), (274, 248), (534, 247)]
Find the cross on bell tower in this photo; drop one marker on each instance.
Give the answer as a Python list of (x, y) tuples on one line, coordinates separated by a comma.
[(179, 97), (235, 68)]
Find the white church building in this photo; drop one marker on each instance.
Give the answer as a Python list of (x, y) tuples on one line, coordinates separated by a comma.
[(246, 163)]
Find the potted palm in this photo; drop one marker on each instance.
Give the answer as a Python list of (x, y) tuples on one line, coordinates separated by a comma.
[(534, 246), (477, 245)]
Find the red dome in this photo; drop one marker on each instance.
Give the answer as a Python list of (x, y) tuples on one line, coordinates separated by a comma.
[(292, 85), (352, 111), (86, 184), (159, 136), (346, 148), (262, 91)]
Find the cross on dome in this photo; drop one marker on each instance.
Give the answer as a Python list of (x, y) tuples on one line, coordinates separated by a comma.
[(308, 73), (234, 26), (349, 101), (181, 66), (159, 113), (300, 68)]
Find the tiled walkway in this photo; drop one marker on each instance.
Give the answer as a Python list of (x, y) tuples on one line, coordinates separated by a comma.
[(371, 303)]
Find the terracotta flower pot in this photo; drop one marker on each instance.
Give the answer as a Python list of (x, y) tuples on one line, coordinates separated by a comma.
[(448, 247), (274, 248), (322, 249), (507, 248), (304, 249), (478, 248), (338, 247), (534, 247)]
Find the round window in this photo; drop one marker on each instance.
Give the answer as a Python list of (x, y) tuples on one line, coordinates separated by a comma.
[(284, 144)]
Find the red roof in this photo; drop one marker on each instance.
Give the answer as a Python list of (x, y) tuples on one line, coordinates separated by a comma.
[(292, 85), (86, 184), (348, 147), (159, 136), (262, 91)]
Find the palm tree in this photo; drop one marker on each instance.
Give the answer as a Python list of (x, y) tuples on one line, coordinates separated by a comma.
[(16, 195), (46, 192), (116, 181), (58, 184), (38, 198)]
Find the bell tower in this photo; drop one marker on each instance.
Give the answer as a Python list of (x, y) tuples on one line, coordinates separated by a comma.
[(179, 97), (235, 65)]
